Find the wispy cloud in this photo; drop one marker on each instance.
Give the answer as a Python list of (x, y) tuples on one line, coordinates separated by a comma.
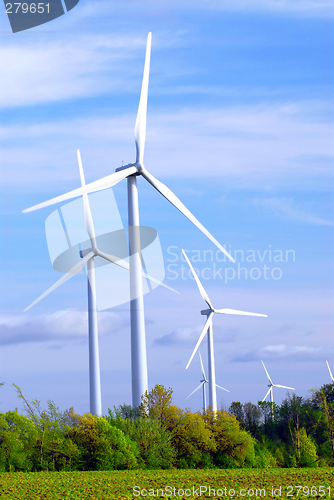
[(248, 144), (61, 325), (48, 71), (285, 208), (281, 352), (189, 335), (311, 8)]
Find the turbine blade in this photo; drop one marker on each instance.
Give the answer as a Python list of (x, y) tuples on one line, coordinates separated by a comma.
[(112, 258), (122, 263), (239, 313), (173, 199), (205, 329), (72, 272), (265, 397), (203, 372), (267, 373), (283, 387), (330, 373), (220, 387), (104, 183), (195, 390), (140, 126), (199, 284), (87, 212)]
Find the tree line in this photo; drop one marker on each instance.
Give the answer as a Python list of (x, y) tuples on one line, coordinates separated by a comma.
[(160, 435)]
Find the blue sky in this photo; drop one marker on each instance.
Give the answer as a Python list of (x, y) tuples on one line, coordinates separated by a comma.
[(240, 127)]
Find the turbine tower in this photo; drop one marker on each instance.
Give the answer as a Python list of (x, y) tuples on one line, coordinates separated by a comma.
[(330, 373), (131, 172), (271, 385), (208, 329), (202, 384), (87, 258)]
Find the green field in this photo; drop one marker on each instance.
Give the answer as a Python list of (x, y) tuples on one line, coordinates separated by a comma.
[(294, 483)]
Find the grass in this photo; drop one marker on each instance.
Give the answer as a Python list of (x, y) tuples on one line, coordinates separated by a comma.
[(119, 485)]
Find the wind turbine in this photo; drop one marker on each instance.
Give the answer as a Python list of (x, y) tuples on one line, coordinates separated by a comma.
[(330, 373), (87, 258), (271, 385), (208, 328), (202, 384), (131, 172)]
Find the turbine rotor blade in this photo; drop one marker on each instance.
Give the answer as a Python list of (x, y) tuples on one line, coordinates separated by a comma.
[(174, 200), (205, 329), (140, 126), (195, 390), (104, 183), (283, 387), (72, 272), (239, 313), (203, 372), (267, 373), (265, 397), (199, 284), (220, 387), (125, 265), (87, 212), (330, 373)]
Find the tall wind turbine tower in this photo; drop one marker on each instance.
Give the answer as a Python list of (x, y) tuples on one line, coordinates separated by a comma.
[(131, 172), (271, 386), (208, 329), (202, 384)]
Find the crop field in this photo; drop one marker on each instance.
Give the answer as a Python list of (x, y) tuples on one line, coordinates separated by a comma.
[(181, 484)]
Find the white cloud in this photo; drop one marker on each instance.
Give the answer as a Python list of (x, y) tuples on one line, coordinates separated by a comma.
[(58, 326), (44, 71), (261, 144), (281, 352), (188, 335), (311, 8), (285, 208)]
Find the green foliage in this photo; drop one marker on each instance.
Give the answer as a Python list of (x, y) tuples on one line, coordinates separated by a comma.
[(192, 440), (101, 445), (159, 435), (233, 446), (157, 404), (308, 451), (18, 437), (153, 440)]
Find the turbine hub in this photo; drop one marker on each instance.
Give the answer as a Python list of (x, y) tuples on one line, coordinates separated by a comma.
[(206, 312), (85, 252), (124, 167)]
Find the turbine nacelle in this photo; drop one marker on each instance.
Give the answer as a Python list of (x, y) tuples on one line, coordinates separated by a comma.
[(86, 251), (206, 312), (137, 165)]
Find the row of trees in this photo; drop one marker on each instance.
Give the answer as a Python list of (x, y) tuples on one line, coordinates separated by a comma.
[(158, 434), (299, 432)]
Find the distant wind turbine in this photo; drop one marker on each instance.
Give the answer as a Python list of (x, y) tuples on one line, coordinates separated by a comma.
[(202, 384), (208, 328), (131, 172), (87, 258), (330, 373), (271, 385)]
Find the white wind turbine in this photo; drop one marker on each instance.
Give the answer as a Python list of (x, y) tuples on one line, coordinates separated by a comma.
[(330, 373), (202, 384), (271, 385), (208, 328), (87, 258), (131, 172)]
